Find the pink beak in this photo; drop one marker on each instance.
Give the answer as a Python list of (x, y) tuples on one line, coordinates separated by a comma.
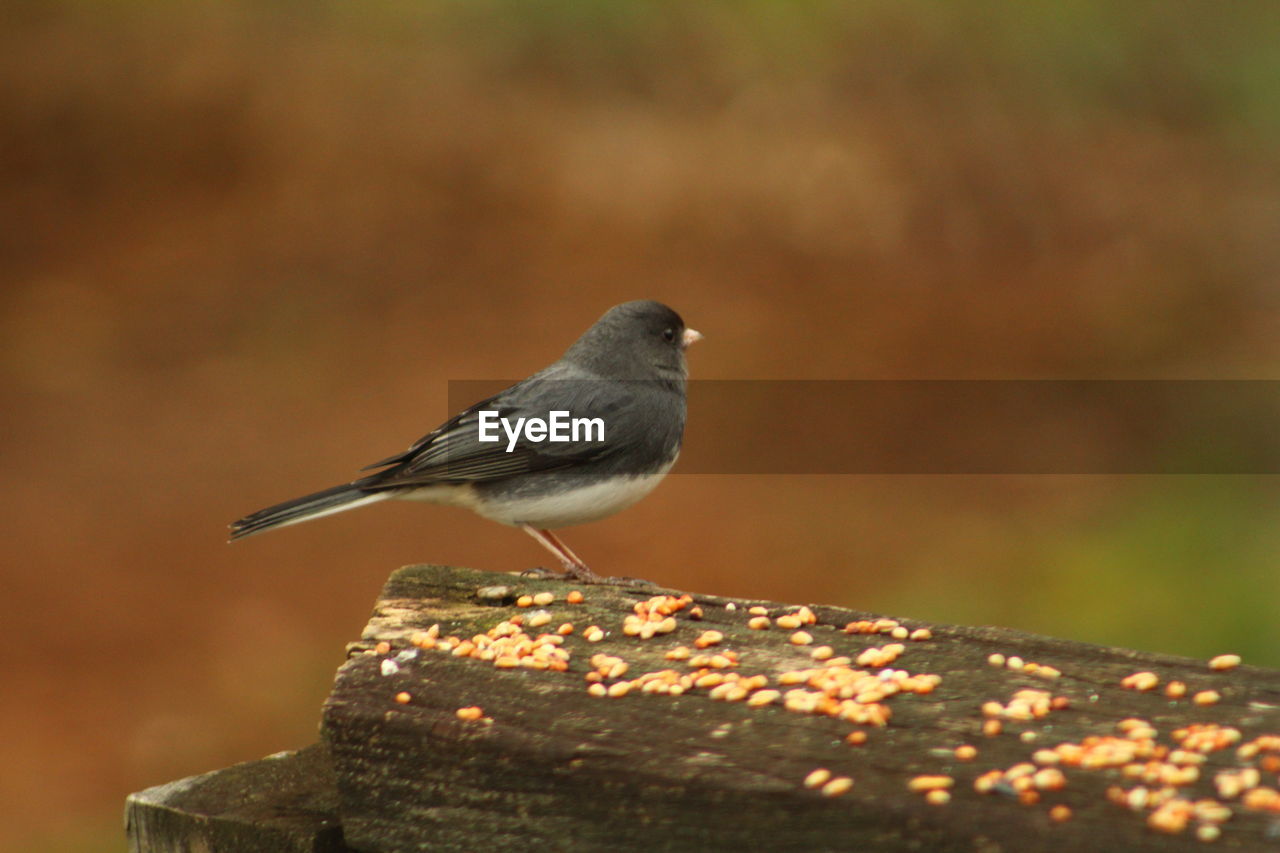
[(690, 336)]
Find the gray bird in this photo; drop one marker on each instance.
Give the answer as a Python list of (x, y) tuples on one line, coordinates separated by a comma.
[(619, 392)]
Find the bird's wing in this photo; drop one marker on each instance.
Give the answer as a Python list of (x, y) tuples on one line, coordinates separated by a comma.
[(454, 453)]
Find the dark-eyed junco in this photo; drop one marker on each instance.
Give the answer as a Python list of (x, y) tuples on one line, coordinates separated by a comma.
[(576, 442)]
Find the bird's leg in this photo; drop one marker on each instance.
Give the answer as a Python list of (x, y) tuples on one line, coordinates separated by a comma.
[(573, 566)]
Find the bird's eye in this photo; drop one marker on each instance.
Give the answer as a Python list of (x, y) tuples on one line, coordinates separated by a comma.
[(669, 335)]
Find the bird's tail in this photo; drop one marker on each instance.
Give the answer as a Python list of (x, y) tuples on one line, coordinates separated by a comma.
[(338, 499)]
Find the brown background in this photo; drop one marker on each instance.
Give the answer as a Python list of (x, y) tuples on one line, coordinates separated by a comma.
[(246, 247)]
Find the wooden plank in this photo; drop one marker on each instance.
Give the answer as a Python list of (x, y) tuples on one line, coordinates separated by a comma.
[(285, 803), (551, 766)]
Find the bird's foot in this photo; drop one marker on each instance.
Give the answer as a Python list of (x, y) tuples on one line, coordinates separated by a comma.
[(582, 574)]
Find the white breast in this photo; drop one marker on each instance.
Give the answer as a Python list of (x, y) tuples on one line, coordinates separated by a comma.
[(576, 506)]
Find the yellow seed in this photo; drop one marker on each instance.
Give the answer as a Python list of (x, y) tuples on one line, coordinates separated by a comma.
[(593, 634), (537, 620), (758, 623), (937, 797), (758, 611), (1207, 697), (965, 752), (921, 634), (1060, 813), (473, 712), (930, 783), (1175, 690), (856, 738), (708, 638), (1014, 662), (574, 597), (565, 629), (837, 786), (678, 653), (788, 621), (801, 638), (996, 659), (403, 698), (1208, 832), (542, 599), (821, 652), (1222, 662), (763, 697), (620, 688), (382, 648), (524, 601), (598, 689), (991, 728), (1140, 681), (817, 777)]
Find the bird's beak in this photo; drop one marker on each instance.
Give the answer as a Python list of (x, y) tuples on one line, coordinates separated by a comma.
[(690, 336)]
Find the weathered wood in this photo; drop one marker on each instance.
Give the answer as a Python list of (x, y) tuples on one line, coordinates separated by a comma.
[(285, 803), (558, 768), (551, 766)]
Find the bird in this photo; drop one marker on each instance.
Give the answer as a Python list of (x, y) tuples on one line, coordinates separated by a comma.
[(623, 381)]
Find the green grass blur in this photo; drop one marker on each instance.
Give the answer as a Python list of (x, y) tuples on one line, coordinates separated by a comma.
[(247, 245)]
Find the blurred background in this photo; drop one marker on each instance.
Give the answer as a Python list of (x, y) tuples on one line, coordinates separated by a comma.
[(245, 246)]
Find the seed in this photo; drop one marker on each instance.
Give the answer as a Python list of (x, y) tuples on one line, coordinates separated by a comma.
[(1208, 832), (758, 611), (593, 634), (1140, 681), (763, 697), (758, 623), (473, 712), (922, 634), (817, 777), (801, 638), (574, 596), (1175, 690), (1222, 662), (930, 783), (996, 659), (524, 601), (598, 689), (856, 738), (565, 630), (900, 633), (678, 653), (822, 652), (731, 606), (965, 752), (382, 648), (619, 688), (1014, 662), (938, 797), (788, 621), (537, 620), (1060, 813), (696, 612), (708, 638), (403, 698), (1207, 697), (991, 728), (837, 786)]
